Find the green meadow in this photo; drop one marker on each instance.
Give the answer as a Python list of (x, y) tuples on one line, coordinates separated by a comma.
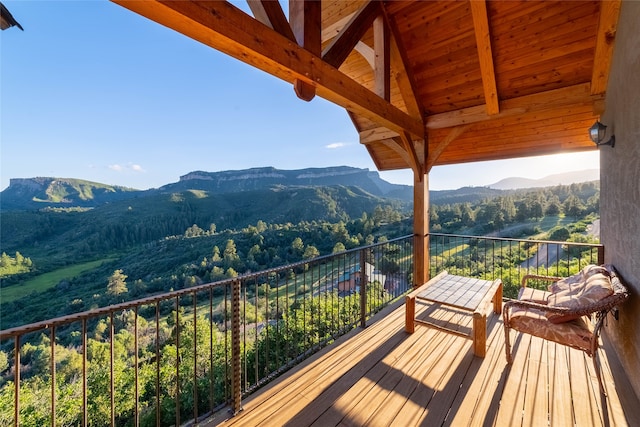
[(47, 280)]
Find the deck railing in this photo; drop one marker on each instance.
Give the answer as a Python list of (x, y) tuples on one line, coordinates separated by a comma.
[(175, 358), (509, 259)]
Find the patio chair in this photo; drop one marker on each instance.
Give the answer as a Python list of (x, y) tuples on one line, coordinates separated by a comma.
[(565, 313)]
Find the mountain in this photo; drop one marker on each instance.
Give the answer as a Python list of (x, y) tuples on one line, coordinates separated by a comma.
[(269, 177), (565, 178), (41, 192), (36, 193)]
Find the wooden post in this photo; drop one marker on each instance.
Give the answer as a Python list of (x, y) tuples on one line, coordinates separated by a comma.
[(420, 230)]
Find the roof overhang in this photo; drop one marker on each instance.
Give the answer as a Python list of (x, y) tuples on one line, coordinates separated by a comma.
[(426, 82)]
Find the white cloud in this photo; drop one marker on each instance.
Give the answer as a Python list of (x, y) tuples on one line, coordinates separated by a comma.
[(131, 167), (336, 145)]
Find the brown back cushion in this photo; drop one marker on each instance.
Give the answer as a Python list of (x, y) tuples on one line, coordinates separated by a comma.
[(595, 287)]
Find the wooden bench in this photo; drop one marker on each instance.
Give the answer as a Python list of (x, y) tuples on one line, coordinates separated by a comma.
[(571, 311)]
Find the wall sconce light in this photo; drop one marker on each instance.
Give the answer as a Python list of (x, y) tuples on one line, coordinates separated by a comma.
[(597, 133)]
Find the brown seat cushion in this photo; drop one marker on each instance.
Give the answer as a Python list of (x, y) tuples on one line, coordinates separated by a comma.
[(575, 333)]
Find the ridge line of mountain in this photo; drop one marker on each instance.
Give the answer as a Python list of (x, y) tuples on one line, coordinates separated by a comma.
[(38, 192)]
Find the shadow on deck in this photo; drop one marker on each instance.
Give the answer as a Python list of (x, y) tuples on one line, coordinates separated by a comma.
[(382, 376)]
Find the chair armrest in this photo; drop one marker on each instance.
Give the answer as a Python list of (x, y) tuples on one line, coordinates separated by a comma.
[(535, 305), (525, 304)]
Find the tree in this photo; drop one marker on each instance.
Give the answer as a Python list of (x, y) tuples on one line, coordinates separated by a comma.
[(5, 260), (297, 247), (194, 231), (339, 247), (559, 234), (573, 206), (311, 252), (117, 283), (4, 361), (230, 256), (261, 226), (554, 207), (216, 255), (467, 216)]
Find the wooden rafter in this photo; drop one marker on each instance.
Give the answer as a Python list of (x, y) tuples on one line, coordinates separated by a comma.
[(402, 74), (404, 80), (483, 40), (376, 134), (342, 45), (404, 140), (224, 27), (270, 13), (398, 147), (572, 95), (607, 27), (382, 69)]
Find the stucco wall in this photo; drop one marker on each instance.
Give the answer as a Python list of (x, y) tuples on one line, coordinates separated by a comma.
[(620, 185)]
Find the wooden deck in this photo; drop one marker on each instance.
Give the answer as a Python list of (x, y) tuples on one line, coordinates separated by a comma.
[(382, 376)]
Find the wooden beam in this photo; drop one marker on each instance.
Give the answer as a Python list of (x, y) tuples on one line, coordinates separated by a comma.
[(452, 136), (382, 69), (483, 41), (367, 53), (605, 40), (394, 145), (270, 13), (396, 68), (342, 45), (578, 94), (305, 17), (420, 230), (406, 142), (404, 81), (376, 134), (224, 27)]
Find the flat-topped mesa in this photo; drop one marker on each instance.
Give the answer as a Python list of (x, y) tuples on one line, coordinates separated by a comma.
[(273, 173), (30, 183)]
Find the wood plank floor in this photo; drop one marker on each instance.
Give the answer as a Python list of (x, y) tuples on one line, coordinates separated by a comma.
[(383, 376)]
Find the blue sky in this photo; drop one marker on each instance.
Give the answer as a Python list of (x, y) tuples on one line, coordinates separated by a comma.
[(93, 91)]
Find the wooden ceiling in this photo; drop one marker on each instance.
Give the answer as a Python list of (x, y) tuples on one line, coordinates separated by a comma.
[(426, 82)]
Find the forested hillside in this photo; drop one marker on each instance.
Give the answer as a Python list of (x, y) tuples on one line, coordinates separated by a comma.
[(57, 261)]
